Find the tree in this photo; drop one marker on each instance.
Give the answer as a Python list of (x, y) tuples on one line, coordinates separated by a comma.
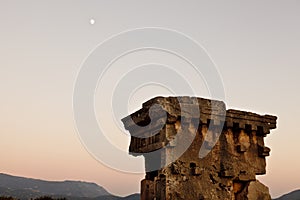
[(48, 198), (7, 198)]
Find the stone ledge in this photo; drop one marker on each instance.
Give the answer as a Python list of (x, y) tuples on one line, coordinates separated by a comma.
[(198, 108)]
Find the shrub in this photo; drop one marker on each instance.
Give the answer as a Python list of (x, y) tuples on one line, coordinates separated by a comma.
[(7, 198), (48, 198)]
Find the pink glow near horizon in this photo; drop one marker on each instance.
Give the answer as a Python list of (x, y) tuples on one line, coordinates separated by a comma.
[(254, 44)]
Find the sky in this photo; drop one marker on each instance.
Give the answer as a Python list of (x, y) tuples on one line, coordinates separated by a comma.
[(254, 45)]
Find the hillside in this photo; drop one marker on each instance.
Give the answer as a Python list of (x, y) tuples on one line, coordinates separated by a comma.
[(26, 188), (295, 195)]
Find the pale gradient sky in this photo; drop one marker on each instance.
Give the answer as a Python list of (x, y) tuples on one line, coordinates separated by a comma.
[(255, 45)]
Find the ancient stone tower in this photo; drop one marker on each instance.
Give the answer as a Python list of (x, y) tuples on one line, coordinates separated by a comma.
[(221, 160)]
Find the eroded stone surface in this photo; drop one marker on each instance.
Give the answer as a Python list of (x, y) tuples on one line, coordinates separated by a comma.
[(229, 169)]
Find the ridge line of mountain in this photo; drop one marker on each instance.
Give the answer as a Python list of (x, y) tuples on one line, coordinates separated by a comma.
[(26, 188)]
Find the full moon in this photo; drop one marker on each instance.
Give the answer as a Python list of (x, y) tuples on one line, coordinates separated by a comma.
[(92, 21)]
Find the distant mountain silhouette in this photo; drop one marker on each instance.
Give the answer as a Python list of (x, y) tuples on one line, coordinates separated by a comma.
[(26, 188), (295, 195)]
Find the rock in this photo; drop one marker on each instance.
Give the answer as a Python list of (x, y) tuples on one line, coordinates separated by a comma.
[(196, 149), (258, 191)]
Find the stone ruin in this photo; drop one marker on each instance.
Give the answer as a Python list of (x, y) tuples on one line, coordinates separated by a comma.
[(231, 143)]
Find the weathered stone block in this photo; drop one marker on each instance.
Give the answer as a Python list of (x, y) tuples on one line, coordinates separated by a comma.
[(232, 140)]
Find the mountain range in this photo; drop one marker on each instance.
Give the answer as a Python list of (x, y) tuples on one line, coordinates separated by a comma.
[(27, 188), (295, 195)]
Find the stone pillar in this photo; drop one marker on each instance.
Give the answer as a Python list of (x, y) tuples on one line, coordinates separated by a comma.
[(231, 141)]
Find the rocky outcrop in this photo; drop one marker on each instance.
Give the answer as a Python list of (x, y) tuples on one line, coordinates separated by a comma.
[(196, 149)]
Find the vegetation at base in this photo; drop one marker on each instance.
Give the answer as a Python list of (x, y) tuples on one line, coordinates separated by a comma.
[(7, 198), (49, 198), (39, 198)]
